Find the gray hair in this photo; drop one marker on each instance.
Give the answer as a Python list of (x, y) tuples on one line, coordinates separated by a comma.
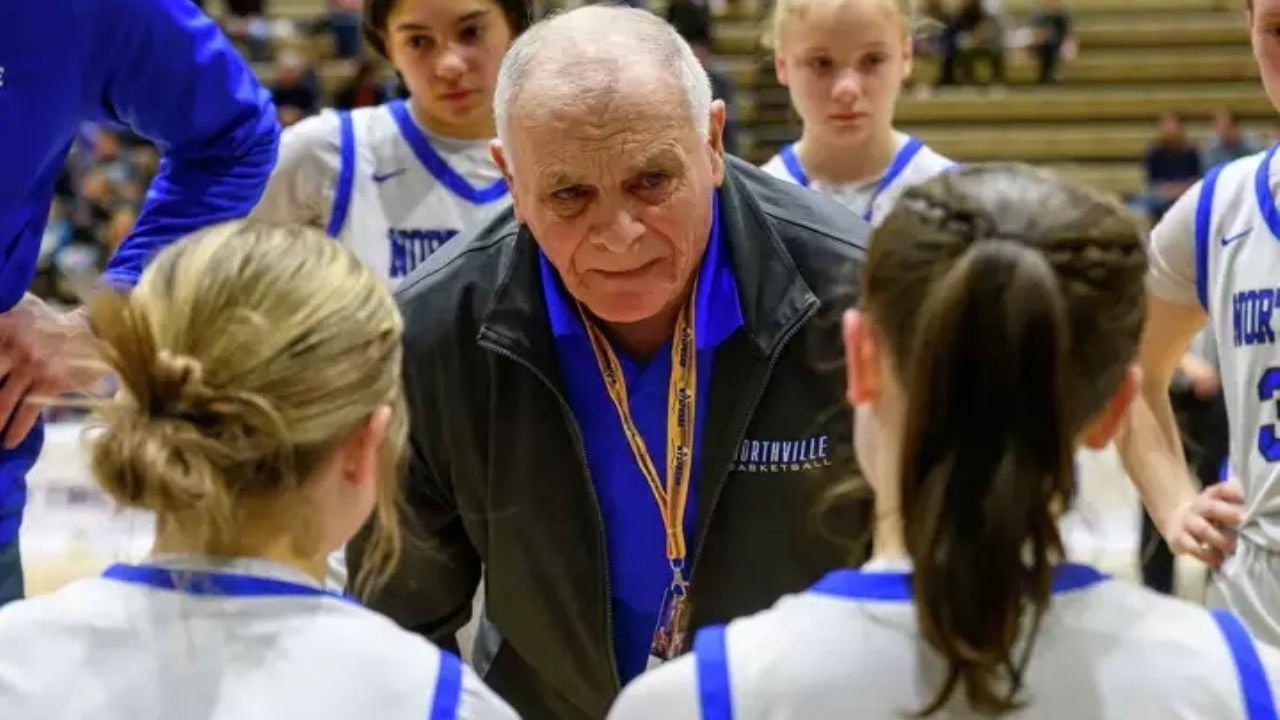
[(581, 39)]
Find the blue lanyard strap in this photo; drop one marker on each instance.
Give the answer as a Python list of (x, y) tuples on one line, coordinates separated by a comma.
[(215, 584)]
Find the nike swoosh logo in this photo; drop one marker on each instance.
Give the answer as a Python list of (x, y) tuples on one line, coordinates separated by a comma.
[(1228, 240), (383, 177)]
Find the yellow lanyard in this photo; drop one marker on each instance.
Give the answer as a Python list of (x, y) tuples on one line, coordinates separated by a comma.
[(681, 413)]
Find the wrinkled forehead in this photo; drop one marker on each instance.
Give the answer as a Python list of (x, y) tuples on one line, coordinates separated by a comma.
[(599, 114)]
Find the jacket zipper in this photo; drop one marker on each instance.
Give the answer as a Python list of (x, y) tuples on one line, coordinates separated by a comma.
[(755, 404), (580, 446)]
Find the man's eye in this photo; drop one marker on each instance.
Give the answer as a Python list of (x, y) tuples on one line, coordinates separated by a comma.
[(654, 180), (570, 193)]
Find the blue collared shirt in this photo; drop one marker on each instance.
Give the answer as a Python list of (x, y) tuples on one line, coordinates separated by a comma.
[(635, 540)]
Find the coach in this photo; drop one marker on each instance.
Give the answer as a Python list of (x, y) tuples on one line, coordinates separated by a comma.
[(618, 401)]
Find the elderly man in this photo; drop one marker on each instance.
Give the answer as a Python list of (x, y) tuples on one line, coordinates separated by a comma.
[(619, 406)]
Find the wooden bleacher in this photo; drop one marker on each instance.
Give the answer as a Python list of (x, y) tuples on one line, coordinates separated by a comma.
[(1137, 58)]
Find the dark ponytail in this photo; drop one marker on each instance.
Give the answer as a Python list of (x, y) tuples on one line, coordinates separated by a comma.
[(986, 454), (1011, 302)]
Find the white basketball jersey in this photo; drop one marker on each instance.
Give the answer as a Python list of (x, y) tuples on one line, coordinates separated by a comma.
[(374, 179), (850, 648), (239, 640), (913, 163), (1237, 259)]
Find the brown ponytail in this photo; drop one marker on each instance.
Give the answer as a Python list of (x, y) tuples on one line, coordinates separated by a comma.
[(1011, 302), (985, 455)]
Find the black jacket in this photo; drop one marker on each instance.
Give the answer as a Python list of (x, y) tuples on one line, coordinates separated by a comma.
[(498, 477)]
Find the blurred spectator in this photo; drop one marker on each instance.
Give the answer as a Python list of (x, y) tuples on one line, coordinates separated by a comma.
[(1227, 142), (692, 19), (365, 89), (246, 24), (295, 90), (108, 151), (1172, 166), (95, 203), (343, 23), (927, 41), (974, 33), (934, 17), (1051, 38)]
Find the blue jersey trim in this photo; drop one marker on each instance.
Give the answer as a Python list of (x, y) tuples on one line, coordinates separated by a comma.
[(346, 173), (437, 166), (792, 163), (215, 584), (1262, 189), (715, 692), (444, 703), (900, 162), (1254, 687), (896, 586), (1204, 226)]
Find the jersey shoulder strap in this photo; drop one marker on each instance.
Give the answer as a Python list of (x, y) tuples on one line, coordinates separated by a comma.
[(1203, 231), (346, 173), (1254, 685), (444, 703), (714, 688)]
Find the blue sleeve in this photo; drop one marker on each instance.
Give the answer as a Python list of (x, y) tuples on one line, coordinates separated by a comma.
[(165, 70)]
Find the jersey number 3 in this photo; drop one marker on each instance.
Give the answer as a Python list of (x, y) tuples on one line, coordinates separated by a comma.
[(1269, 391)]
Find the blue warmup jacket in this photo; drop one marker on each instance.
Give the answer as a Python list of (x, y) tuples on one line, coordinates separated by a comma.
[(158, 67)]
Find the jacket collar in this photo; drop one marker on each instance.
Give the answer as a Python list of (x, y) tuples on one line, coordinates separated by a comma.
[(771, 291)]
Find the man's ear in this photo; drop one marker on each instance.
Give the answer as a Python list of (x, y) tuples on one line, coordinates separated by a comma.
[(499, 155)]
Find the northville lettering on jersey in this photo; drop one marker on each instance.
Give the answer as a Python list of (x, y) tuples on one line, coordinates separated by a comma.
[(410, 246), (1251, 317)]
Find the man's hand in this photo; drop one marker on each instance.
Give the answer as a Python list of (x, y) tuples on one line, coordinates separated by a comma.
[(1205, 526), (43, 353)]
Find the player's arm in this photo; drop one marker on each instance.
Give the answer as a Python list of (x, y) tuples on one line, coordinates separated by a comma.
[(1150, 445), (303, 182), (430, 590), (165, 70)]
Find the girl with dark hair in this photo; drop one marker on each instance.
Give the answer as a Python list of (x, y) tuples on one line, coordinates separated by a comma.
[(394, 182), (996, 333)]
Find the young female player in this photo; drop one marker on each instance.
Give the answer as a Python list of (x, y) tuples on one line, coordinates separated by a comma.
[(843, 61), (260, 417), (995, 335), (396, 181), (1215, 256)]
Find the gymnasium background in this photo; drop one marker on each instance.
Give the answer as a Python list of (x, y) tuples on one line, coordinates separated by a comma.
[(1094, 117)]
